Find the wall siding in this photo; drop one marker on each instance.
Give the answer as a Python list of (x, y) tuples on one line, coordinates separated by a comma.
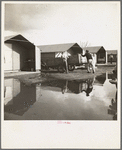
[(8, 57), (38, 59)]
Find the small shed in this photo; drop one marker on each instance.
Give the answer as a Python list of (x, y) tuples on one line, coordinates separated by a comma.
[(112, 52), (50, 53), (20, 54), (99, 51)]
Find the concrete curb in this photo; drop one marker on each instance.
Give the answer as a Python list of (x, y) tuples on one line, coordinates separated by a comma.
[(12, 74)]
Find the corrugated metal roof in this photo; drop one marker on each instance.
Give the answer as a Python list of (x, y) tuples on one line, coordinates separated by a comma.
[(111, 51), (57, 47), (9, 37), (93, 49), (20, 39)]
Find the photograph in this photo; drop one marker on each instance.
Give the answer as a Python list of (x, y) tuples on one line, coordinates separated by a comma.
[(61, 65)]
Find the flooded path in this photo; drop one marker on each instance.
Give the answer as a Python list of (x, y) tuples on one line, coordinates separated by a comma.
[(89, 99)]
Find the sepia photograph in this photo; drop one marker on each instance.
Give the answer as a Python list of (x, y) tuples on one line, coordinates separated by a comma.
[(61, 68)]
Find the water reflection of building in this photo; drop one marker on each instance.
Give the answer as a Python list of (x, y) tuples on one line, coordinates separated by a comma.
[(76, 86), (17, 97), (113, 107), (79, 86), (11, 89), (100, 80)]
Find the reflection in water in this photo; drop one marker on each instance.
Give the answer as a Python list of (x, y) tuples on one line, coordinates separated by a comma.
[(113, 106), (87, 99), (78, 86), (74, 86), (11, 89), (89, 83), (17, 97), (102, 78)]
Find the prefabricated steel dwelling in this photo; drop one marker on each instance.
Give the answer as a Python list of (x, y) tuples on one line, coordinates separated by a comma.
[(51, 56)]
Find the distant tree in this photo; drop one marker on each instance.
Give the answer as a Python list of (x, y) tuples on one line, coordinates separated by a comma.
[(84, 44)]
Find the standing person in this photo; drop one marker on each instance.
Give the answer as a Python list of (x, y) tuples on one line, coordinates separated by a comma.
[(65, 57), (65, 64), (89, 61), (111, 58)]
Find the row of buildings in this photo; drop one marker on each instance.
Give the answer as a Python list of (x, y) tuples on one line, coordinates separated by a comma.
[(22, 55)]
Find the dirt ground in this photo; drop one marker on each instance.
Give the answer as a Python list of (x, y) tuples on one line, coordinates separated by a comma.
[(78, 74)]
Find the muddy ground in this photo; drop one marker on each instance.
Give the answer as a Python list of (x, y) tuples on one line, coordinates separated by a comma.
[(78, 74)]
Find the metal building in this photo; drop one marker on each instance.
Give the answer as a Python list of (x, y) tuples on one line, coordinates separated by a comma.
[(52, 54), (99, 51), (20, 54), (112, 52)]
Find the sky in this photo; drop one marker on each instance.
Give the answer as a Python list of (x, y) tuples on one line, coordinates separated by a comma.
[(44, 23)]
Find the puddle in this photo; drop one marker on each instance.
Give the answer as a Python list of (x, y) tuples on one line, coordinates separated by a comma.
[(91, 99)]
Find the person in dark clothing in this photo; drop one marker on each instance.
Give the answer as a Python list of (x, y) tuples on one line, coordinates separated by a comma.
[(89, 61), (90, 83), (111, 58)]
